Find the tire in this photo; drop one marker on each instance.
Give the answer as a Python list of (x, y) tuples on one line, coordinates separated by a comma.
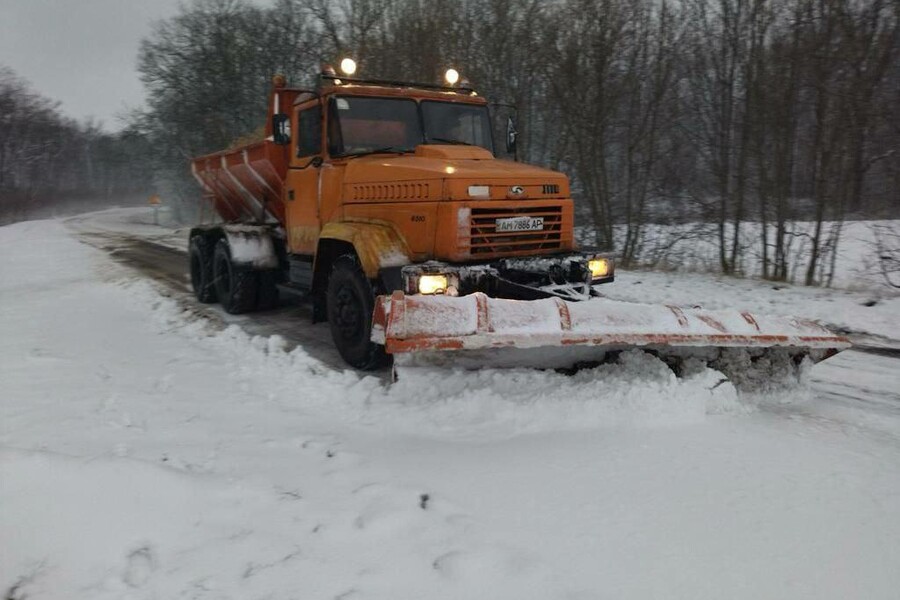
[(237, 288), (267, 295), (350, 301), (200, 259)]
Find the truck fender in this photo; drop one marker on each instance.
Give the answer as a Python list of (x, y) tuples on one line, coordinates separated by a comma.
[(378, 246), (251, 246)]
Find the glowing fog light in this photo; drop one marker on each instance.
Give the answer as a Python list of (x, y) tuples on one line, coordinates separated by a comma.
[(479, 191), (599, 268), (348, 66), (432, 284), (451, 76)]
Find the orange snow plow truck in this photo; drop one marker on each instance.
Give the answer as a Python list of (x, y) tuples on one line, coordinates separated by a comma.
[(384, 204)]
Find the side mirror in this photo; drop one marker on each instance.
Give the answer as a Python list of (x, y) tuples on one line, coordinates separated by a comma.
[(281, 129), (511, 135)]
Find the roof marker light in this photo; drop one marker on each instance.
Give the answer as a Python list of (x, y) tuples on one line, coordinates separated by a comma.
[(451, 76), (348, 66)]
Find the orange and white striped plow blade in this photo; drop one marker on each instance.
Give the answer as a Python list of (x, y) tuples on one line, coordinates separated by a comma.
[(431, 324)]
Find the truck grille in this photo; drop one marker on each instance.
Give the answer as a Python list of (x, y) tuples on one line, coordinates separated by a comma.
[(484, 238), (392, 191)]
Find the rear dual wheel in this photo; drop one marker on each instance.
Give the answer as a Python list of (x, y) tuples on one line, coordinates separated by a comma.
[(237, 288), (350, 298), (267, 295), (200, 257), (215, 278)]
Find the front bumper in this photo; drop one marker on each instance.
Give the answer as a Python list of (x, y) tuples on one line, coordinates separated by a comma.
[(564, 275)]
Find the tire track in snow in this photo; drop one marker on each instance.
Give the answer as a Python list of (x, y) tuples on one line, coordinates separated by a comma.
[(291, 320)]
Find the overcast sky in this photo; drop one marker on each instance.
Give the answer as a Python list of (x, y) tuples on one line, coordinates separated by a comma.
[(80, 52)]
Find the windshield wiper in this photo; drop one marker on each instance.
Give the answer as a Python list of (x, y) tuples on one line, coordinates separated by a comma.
[(449, 141), (377, 151)]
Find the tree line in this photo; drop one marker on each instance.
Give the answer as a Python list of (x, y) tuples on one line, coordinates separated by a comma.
[(51, 164), (747, 114)]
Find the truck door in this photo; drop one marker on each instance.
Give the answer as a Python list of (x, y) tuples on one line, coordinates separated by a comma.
[(303, 188)]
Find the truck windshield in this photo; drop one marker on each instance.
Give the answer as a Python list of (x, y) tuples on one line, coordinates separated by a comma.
[(449, 122), (364, 125)]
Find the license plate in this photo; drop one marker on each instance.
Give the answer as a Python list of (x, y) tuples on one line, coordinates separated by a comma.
[(520, 224)]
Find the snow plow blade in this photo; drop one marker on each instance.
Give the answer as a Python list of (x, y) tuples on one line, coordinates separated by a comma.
[(475, 330)]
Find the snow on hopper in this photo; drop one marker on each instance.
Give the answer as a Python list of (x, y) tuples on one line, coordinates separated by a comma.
[(475, 330)]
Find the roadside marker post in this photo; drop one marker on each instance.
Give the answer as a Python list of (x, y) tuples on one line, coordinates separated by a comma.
[(155, 202)]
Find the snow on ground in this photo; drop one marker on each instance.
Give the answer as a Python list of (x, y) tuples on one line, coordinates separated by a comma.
[(143, 454)]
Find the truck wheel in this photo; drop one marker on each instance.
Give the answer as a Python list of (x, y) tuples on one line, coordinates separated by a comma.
[(237, 288), (267, 296), (200, 257), (350, 301)]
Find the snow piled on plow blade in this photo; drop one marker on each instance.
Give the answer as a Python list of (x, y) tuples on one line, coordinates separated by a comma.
[(475, 331)]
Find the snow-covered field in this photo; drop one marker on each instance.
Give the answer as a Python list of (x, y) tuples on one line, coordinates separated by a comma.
[(694, 247), (146, 453)]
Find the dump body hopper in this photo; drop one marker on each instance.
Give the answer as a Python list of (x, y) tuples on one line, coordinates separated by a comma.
[(246, 183)]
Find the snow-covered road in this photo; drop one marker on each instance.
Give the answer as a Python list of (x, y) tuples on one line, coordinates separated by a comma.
[(147, 451)]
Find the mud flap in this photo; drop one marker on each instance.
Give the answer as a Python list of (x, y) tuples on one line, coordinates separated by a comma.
[(251, 246)]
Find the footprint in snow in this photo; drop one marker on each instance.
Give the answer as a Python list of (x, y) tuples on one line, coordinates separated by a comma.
[(389, 514), (43, 355), (319, 444), (491, 561), (139, 566)]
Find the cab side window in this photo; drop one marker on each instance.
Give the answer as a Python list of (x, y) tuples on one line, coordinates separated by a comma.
[(309, 134)]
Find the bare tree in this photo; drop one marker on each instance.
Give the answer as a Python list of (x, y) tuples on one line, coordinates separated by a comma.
[(649, 80), (887, 250)]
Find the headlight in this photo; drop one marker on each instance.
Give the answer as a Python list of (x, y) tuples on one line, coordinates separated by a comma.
[(599, 267), (432, 284)]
